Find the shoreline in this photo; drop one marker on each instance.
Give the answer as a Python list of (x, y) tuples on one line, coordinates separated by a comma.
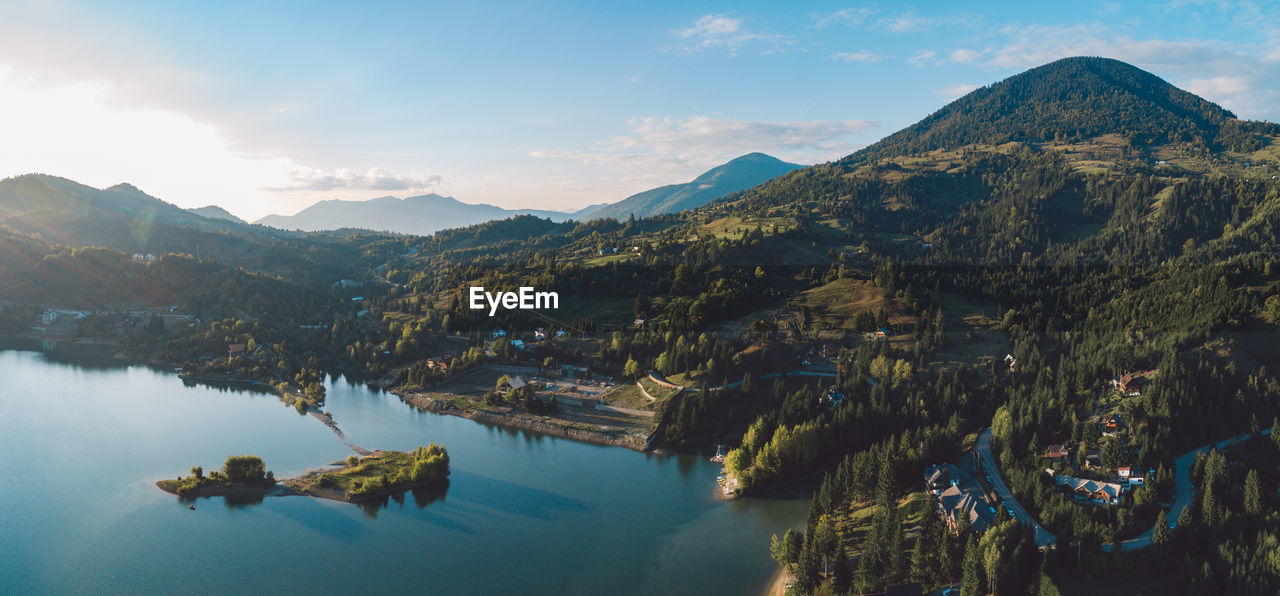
[(295, 487), (546, 426), (777, 585)]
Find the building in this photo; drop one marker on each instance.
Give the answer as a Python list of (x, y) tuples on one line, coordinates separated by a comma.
[(1113, 426), (1130, 476), (1058, 452), (938, 477), (1091, 491), (517, 344), (1129, 385), (516, 382), (540, 334), (236, 350), (440, 363), (956, 504)]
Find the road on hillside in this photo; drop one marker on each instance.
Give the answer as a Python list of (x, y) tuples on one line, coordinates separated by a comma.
[(1042, 536), (1183, 490)]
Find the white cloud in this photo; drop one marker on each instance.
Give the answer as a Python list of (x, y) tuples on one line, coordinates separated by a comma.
[(669, 148), (907, 22), (858, 56), (964, 56), (922, 58), (848, 16), (955, 91), (308, 178), (83, 131), (719, 32)]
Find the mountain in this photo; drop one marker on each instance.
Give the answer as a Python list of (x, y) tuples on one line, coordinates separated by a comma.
[(216, 212), (421, 215), (1068, 100), (739, 174)]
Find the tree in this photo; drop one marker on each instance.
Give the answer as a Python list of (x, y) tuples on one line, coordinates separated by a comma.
[(1253, 503), (1160, 534), (785, 551), (971, 581), (244, 468), (807, 578), (197, 472), (843, 572), (1210, 509)]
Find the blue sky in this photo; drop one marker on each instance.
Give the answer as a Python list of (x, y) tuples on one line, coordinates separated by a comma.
[(552, 104)]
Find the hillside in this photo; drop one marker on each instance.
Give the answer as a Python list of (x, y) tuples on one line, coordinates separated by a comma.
[(419, 215), (739, 174)]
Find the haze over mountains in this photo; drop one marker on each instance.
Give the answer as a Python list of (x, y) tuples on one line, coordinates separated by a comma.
[(737, 175), (426, 214)]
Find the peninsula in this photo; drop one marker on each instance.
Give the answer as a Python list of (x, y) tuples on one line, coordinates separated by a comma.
[(358, 479)]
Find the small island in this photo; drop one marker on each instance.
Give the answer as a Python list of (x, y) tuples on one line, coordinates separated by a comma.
[(359, 479)]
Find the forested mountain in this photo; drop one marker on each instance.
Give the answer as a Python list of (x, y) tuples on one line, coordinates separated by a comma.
[(1070, 100), (419, 215), (739, 174)]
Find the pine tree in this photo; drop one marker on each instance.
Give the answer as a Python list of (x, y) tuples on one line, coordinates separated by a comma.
[(1253, 504), (971, 582), (843, 572), (807, 578), (1160, 534), (1210, 510)]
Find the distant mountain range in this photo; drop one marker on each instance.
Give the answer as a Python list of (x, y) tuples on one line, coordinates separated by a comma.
[(420, 215), (216, 212), (426, 214), (737, 175)]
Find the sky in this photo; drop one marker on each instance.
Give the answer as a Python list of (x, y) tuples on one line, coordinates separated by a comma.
[(551, 105)]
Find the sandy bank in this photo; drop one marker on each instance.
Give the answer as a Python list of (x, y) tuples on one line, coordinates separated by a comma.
[(548, 426)]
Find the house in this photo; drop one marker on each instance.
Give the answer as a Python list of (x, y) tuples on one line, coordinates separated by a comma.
[(1058, 452), (540, 334), (637, 322), (911, 589), (236, 350), (496, 333), (1130, 476), (439, 363), (1092, 459), (561, 333), (940, 476), (516, 382), (1093, 491), (517, 344), (1129, 385), (1113, 426), (1011, 361), (956, 503)]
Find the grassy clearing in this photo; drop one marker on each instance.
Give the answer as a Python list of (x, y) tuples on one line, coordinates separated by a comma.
[(855, 525), (628, 395), (834, 305), (657, 391), (383, 470)]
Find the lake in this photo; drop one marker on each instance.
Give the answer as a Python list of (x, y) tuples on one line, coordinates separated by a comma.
[(86, 437)]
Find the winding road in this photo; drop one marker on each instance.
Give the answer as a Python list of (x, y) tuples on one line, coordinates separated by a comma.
[(1183, 490)]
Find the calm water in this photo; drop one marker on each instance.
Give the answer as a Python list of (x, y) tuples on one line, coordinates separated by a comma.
[(84, 439)]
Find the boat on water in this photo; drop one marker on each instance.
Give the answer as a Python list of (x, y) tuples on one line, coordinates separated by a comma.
[(191, 507)]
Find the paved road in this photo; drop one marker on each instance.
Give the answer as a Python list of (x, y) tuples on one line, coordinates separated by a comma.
[(1042, 536), (1183, 490)]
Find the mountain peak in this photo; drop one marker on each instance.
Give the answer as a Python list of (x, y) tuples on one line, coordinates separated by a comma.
[(1069, 99)]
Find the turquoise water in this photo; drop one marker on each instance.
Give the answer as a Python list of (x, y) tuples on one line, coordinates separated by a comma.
[(84, 439)]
